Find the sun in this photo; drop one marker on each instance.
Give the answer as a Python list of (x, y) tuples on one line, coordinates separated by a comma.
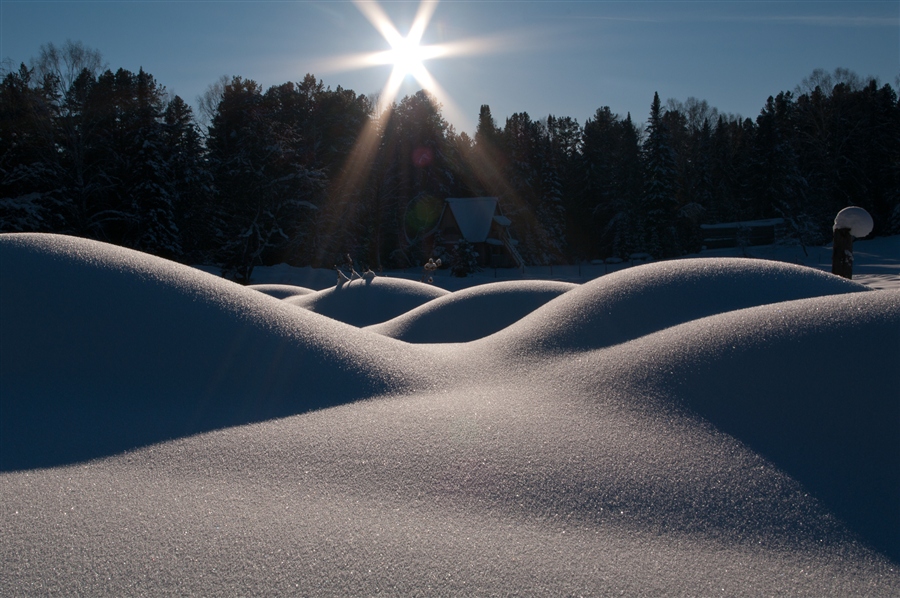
[(407, 54), (407, 57)]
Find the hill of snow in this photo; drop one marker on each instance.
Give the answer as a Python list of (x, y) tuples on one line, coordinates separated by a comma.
[(637, 301), (876, 265), (696, 427), (472, 313), (364, 302), (281, 291)]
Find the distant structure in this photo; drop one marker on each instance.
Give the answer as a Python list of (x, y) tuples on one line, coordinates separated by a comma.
[(479, 221), (743, 234)]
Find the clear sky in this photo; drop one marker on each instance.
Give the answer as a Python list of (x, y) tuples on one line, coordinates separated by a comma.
[(566, 58)]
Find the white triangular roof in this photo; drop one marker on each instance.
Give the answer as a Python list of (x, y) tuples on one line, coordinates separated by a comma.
[(474, 216)]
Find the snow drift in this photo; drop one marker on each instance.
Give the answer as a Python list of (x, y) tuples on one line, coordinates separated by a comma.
[(280, 291), (631, 303), (682, 428), (104, 349), (363, 302), (473, 313)]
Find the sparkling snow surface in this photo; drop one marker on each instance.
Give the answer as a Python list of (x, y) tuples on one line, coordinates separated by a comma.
[(695, 427), (472, 313), (367, 301), (281, 291)]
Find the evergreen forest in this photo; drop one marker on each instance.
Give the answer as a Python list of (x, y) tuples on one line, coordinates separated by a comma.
[(304, 174)]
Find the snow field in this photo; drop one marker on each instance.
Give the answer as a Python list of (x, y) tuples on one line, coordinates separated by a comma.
[(681, 428)]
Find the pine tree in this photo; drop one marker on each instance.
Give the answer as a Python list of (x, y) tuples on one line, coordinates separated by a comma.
[(846, 137), (65, 77), (612, 175), (556, 150), (265, 191), (778, 185), (413, 163), (28, 201), (77, 172), (686, 123), (347, 139), (464, 259), (522, 174), (660, 202), (190, 183), (727, 180), (149, 179)]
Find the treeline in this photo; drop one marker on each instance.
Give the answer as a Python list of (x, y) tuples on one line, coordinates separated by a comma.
[(303, 174)]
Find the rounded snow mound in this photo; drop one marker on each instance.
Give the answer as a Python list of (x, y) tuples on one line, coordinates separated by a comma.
[(472, 313), (280, 291), (363, 302), (632, 303), (104, 348), (811, 384)]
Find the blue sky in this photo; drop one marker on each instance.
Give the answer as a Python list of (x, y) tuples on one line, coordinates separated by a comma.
[(566, 58)]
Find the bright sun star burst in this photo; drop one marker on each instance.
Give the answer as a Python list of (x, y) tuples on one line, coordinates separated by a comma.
[(407, 55)]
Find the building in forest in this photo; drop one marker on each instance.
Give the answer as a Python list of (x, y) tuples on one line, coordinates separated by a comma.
[(744, 234), (480, 222)]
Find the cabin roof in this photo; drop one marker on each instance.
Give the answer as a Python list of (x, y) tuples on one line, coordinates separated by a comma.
[(473, 215)]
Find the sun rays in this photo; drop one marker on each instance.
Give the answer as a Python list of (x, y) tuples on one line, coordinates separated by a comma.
[(407, 55)]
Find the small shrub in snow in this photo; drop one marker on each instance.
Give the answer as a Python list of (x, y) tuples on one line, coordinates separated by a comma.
[(464, 260), (348, 264)]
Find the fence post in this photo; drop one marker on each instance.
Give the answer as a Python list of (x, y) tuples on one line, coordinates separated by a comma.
[(842, 253), (849, 222)]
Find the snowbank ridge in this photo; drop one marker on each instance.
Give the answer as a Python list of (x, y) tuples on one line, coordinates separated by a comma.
[(363, 302), (104, 349), (473, 313), (638, 301), (681, 428)]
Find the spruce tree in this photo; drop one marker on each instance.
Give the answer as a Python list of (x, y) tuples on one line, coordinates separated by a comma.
[(29, 201), (487, 133), (190, 183), (522, 173), (612, 175), (149, 180), (777, 182), (557, 147), (265, 191), (659, 204), (488, 158)]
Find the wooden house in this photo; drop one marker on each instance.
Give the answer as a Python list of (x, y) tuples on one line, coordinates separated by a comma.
[(480, 222)]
